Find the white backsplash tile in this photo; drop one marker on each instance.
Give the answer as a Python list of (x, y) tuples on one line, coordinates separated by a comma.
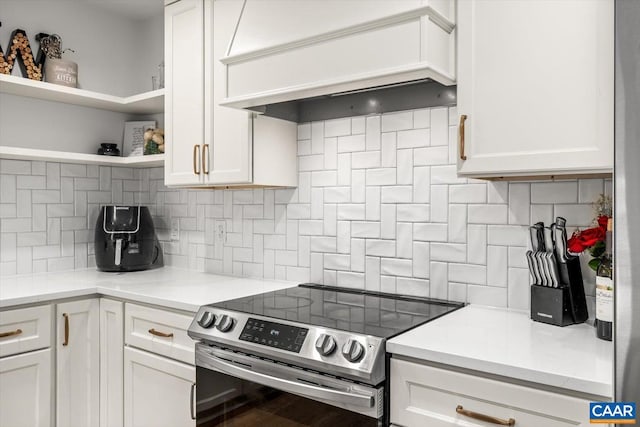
[(397, 121), (554, 192), (378, 206)]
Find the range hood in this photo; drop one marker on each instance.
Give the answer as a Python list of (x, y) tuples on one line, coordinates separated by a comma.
[(286, 50)]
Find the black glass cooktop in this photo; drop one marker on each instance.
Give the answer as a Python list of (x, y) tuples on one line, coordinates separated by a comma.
[(377, 314)]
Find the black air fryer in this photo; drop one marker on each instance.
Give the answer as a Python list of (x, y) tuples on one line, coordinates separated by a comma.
[(125, 239)]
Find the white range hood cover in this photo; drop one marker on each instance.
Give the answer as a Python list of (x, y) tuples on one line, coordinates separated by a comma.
[(286, 50)]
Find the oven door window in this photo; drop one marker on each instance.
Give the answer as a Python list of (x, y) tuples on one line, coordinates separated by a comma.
[(223, 400)]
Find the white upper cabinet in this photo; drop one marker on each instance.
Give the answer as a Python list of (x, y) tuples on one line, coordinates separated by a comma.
[(289, 49), (535, 82), (210, 145), (184, 96)]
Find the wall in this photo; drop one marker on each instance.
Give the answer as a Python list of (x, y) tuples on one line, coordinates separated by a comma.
[(379, 206)]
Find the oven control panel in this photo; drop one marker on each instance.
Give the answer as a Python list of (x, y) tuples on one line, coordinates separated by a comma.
[(284, 337)]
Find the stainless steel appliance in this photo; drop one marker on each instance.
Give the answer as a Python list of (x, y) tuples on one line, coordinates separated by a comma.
[(627, 203), (310, 355)]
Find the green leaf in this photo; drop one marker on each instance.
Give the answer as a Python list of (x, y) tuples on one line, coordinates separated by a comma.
[(594, 264), (598, 249)]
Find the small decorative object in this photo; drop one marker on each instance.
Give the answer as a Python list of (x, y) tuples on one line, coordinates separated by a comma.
[(134, 141), (108, 149), (593, 239), (154, 141), (161, 74), (157, 82), (57, 70), (20, 49)]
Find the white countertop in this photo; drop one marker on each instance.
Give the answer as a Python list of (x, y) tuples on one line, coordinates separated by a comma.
[(508, 343), (168, 286)]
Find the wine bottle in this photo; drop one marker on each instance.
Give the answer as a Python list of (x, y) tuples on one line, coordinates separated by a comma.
[(604, 290)]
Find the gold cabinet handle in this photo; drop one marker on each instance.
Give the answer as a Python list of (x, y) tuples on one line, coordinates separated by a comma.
[(196, 163), (66, 329), (192, 401), (463, 118), (486, 418), (160, 334), (10, 333), (205, 157)]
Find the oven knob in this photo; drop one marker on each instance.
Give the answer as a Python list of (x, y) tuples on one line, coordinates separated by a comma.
[(325, 344), (352, 350), (206, 319), (225, 323)]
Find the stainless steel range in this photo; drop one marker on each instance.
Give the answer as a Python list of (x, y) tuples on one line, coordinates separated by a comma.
[(310, 355)]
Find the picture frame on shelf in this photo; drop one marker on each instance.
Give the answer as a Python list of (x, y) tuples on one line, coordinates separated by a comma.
[(133, 142)]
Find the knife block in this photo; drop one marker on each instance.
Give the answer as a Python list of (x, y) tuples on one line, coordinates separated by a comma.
[(551, 305), (564, 305)]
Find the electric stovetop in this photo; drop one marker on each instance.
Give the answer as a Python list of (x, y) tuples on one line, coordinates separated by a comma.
[(371, 313)]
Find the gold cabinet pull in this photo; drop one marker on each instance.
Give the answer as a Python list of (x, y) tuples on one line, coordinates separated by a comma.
[(10, 333), (160, 334), (192, 401), (486, 418), (205, 157), (463, 118), (196, 162), (66, 329)]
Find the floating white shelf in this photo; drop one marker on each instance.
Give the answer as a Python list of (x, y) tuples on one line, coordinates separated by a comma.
[(144, 103), (17, 153)]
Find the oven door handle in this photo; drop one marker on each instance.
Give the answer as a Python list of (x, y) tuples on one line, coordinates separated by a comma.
[(317, 392)]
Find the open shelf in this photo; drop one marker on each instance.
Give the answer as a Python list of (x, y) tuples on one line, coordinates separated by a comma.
[(17, 153), (144, 103)]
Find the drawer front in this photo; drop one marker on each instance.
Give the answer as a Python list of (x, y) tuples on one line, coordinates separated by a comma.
[(159, 331), (25, 329), (424, 395)]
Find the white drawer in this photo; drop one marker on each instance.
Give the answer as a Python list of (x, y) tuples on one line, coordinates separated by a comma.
[(423, 395), (25, 329), (159, 331)]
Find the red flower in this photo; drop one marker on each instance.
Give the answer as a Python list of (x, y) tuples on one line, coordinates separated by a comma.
[(585, 239), (603, 220)]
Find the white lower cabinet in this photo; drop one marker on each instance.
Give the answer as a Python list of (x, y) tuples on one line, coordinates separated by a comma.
[(111, 362), (78, 363), (423, 395), (25, 390), (157, 390)]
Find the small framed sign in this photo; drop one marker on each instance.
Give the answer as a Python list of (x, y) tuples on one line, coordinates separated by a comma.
[(133, 143)]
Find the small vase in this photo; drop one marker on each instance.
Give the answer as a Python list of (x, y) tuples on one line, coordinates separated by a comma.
[(109, 149)]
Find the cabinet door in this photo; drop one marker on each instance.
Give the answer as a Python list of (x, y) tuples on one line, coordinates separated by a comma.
[(25, 389), (228, 131), (157, 391), (423, 395), (78, 363), (184, 92), (535, 80), (111, 362)]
